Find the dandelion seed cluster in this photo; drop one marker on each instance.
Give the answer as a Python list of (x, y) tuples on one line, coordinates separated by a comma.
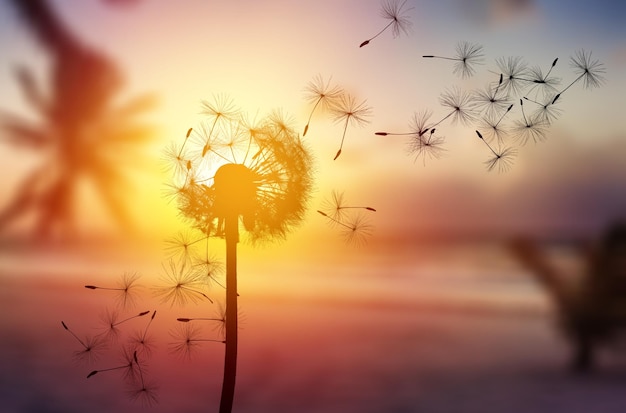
[(117, 348), (518, 106)]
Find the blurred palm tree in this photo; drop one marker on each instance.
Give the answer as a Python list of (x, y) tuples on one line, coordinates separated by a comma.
[(83, 134)]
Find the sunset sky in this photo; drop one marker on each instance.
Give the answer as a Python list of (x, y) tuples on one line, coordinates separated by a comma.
[(263, 54), (312, 300)]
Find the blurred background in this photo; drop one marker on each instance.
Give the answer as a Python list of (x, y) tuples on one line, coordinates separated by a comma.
[(438, 311)]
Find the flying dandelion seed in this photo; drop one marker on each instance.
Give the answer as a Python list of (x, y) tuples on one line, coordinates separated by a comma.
[(467, 56), (354, 227), (349, 111), (529, 128), (142, 390), (460, 101), (127, 366), (515, 74), (492, 99), (180, 285), (546, 112), (394, 11), (591, 72), (321, 94), (427, 146), (127, 290), (492, 126), (93, 346), (336, 206), (503, 158), (141, 340), (543, 84), (187, 340)]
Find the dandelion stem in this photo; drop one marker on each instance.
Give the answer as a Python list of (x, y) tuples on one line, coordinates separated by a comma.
[(345, 128), (306, 127), (230, 353), (377, 34), (75, 336), (503, 115)]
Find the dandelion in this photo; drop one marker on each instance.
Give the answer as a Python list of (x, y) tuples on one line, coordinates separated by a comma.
[(502, 158), (320, 93), (529, 127), (180, 286), (399, 21), (260, 187), (514, 71), (347, 110), (460, 102), (467, 55), (591, 72), (127, 290)]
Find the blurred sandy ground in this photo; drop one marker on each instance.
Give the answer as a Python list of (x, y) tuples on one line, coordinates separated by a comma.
[(423, 338)]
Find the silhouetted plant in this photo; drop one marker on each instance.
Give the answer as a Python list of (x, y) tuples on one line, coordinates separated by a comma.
[(84, 87), (515, 72), (399, 20), (349, 111), (242, 175)]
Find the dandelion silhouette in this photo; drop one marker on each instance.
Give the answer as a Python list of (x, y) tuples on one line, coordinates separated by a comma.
[(348, 111), (245, 175), (492, 127), (467, 56), (399, 21), (502, 158), (320, 94), (127, 290)]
